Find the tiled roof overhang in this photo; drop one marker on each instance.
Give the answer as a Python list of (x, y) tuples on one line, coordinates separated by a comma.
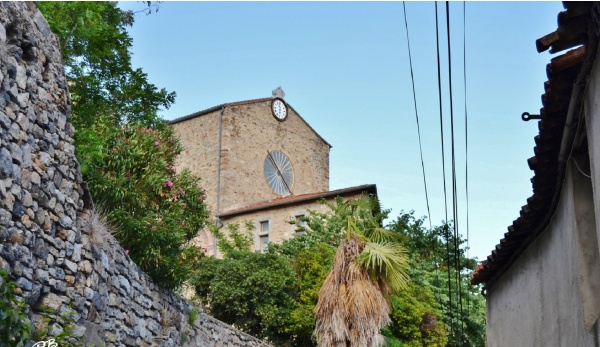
[(562, 101), (369, 189), (239, 103)]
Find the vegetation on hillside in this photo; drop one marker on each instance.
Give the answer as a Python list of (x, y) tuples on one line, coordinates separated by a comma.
[(125, 149), (433, 270), (127, 155), (419, 313)]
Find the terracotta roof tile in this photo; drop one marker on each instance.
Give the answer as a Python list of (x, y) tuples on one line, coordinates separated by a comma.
[(295, 199), (577, 25)]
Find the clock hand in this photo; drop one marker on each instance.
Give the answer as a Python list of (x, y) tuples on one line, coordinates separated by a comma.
[(279, 172)]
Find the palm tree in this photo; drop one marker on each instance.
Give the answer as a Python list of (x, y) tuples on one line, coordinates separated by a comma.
[(369, 265)]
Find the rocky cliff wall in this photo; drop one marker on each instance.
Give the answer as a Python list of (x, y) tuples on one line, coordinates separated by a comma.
[(51, 243)]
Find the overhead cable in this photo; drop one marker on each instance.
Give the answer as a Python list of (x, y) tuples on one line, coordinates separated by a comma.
[(412, 78), (446, 231), (454, 185), (466, 133)]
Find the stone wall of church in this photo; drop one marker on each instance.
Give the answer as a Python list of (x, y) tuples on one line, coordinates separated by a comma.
[(248, 131), (51, 244), (200, 139)]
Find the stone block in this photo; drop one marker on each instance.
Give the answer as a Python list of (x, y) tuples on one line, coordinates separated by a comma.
[(50, 300)]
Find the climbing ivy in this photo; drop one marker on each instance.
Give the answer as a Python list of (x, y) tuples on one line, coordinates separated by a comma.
[(15, 327)]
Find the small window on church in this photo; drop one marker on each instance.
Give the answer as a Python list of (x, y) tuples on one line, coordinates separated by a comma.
[(299, 225), (264, 243), (264, 227), (263, 235)]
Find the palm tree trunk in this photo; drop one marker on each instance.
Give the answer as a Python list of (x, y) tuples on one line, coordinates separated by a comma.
[(352, 308)]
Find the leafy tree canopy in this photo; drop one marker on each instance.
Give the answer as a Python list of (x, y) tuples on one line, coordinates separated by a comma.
[(262, 286), (458, 305), (96, 50), (126, 151)]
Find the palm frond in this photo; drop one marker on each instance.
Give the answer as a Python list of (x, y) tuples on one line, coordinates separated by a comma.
[(388, 261), (381, 235)]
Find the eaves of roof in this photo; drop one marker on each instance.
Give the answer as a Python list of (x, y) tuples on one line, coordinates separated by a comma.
[(370, 189), (578, 28), (238, 103)]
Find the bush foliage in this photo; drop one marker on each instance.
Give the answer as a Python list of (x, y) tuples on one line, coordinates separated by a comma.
[(157, 210), (15, 327), (420, 312), (126, 151)]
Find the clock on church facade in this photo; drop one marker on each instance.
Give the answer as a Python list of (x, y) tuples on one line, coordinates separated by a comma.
[(258, 156)]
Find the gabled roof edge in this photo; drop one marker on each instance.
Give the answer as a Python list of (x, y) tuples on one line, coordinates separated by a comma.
[(252, 101), (265, 205)]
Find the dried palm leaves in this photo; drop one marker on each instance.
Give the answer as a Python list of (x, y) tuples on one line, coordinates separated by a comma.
[(353, 305)]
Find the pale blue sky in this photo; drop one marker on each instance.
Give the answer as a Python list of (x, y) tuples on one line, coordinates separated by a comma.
[(344, 68)]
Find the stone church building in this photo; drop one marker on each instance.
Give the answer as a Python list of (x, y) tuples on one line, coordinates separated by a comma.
[(259, 161)]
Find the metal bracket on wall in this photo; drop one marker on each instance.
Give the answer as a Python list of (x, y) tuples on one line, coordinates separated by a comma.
[(527, 117)]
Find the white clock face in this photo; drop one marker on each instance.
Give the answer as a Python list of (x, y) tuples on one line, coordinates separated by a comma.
[(279, 173), (279, 109)]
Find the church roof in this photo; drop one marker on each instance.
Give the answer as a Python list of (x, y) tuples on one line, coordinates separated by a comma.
[(245, 102), (296, 199), (567, 78)]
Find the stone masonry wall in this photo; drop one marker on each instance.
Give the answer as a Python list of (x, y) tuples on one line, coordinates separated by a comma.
[(51, 242), (248, 131)]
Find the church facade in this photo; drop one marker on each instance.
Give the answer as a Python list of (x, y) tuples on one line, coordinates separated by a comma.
[(259, 161)]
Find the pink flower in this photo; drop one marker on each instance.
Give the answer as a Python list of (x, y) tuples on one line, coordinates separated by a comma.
[(184, 205), (168, 184), (154, 227), (127, 251), (157, 143)]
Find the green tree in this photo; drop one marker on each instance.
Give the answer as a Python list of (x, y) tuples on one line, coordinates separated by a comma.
[(353, 305), (125, 149), (157, 210), (415, 318), (96, 54), (311, 256), (433, 267), (262, 286)]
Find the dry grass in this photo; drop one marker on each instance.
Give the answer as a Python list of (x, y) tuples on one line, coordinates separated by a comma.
[(170, 317), (351, 307), (101, 231)]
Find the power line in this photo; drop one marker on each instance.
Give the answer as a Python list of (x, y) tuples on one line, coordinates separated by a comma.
[(454, 186), (412, 78), (466, 131), (446, 231)]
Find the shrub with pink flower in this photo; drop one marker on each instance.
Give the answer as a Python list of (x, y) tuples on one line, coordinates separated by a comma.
[(169, 204)]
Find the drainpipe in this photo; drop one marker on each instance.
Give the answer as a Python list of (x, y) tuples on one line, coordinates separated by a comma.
[(218, 223)]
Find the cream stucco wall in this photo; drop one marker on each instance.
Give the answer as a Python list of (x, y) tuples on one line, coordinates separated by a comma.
[(543, 298), (550, 295)]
